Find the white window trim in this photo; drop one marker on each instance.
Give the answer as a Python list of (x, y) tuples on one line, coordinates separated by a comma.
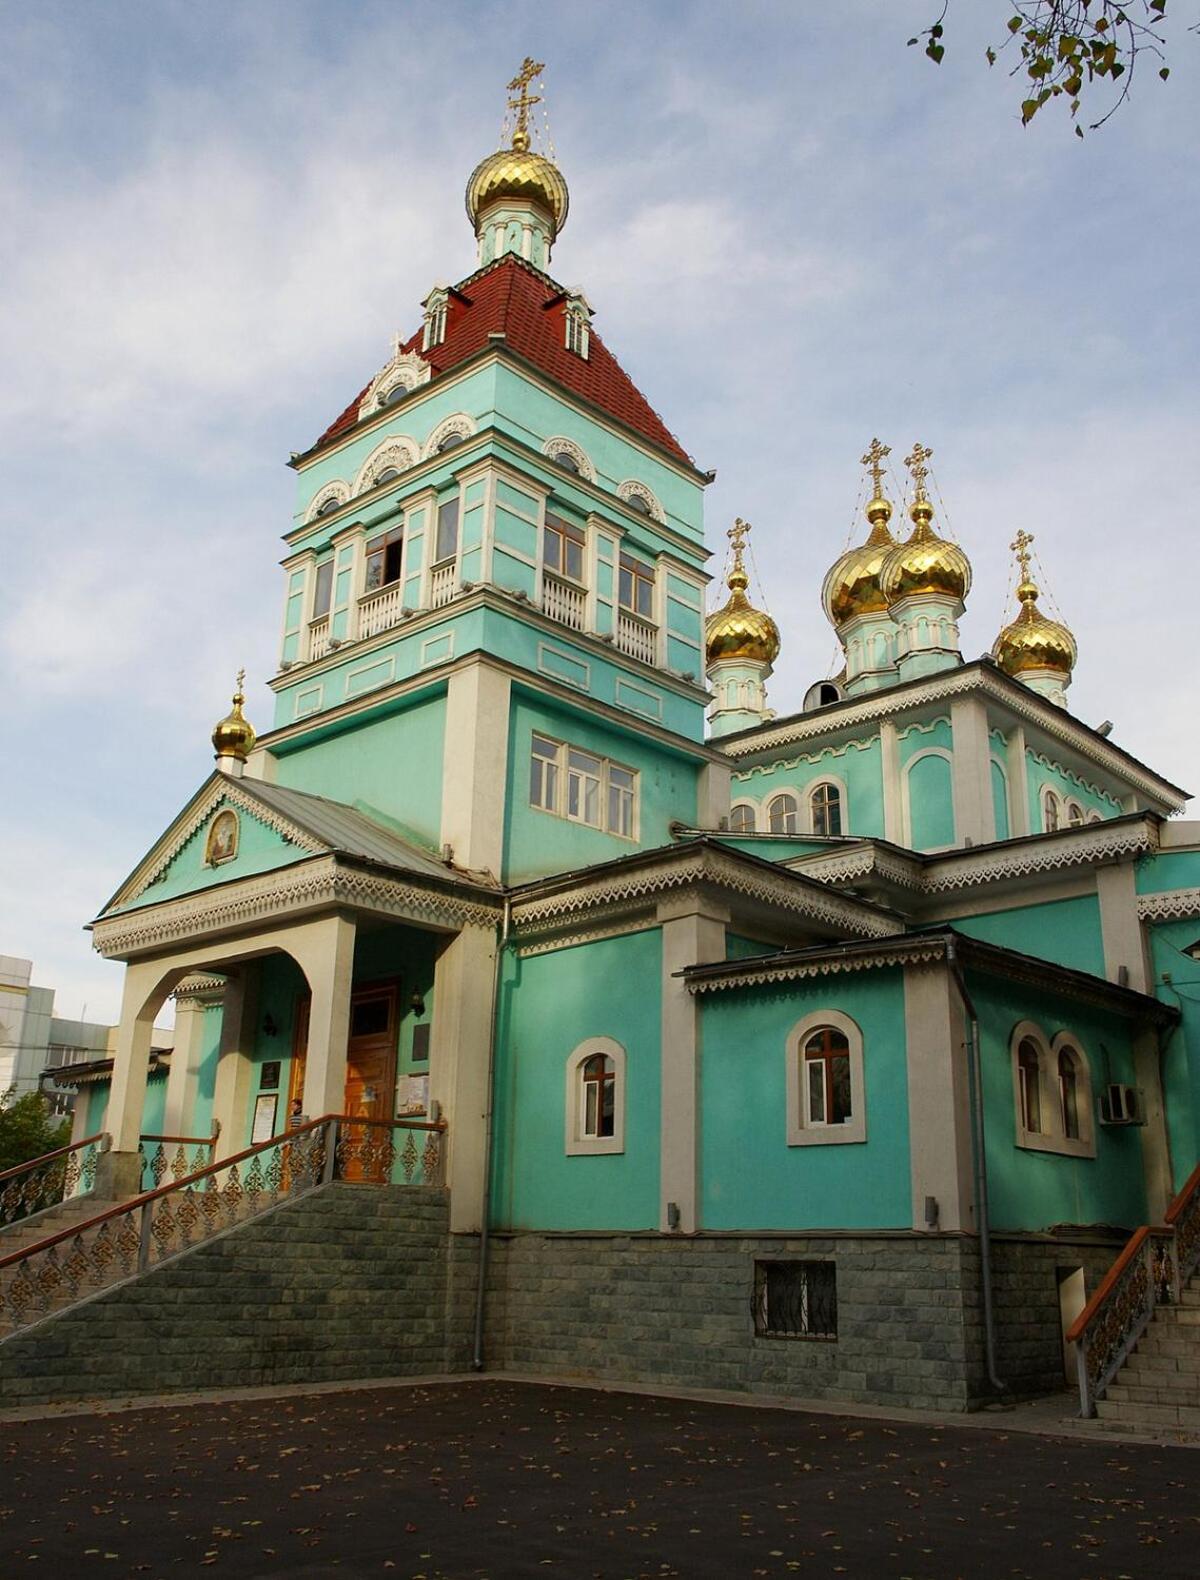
[(336, 489), (397, 450), (843, 804), (750, 807), (1050, 794), (631, 488), (559, 444), (575, 1143), (560, 807), (797, 832), (1052, 1139), (800, 1133), (458, 423)]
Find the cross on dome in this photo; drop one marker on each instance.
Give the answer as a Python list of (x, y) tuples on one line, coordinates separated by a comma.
[(524, 100), (1020, 547), (918, 470), (876, 455)]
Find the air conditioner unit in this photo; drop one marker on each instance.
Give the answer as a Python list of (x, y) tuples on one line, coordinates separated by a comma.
[(1121, 1105)]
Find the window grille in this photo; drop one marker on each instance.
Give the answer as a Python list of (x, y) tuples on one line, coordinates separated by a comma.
[(795, 1300)]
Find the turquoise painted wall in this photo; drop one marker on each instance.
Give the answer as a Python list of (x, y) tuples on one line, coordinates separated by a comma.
[(1169, 942), (538, 842), (1169, 869), (1036, 1190), (260, 849), (920, 737), (858, 766), (1041, 773), (774, 847), (1064, 931), (751, 1178), (1000, 794), (929, 796), (549, 1005), (390, 764), (746, 948)]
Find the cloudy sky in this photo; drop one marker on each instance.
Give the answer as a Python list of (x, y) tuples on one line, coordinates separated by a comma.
[(796, 233)]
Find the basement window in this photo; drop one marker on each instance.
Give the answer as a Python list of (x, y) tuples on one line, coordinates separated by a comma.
[(795, 1300)]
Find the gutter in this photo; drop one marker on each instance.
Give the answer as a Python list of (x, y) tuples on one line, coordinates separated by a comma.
[(488, 1135), (979, 1156)]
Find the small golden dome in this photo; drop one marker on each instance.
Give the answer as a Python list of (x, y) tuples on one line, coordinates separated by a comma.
[(852, 582), (518, 172), (738, 629), (1032, 641), (925, 565), (234, 736)]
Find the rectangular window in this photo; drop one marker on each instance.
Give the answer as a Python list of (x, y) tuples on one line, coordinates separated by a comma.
[(636, 587), (383, 559), (543, 774), (447, 530), (583, 787), (562, 549), (323, 591), (795, 1300)]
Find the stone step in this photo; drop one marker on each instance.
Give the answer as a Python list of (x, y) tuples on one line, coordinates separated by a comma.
[(1128, 1410), (1139, 1392), (1182, 1316), (27, 1231), (1155, 1370), (1162, 1340)]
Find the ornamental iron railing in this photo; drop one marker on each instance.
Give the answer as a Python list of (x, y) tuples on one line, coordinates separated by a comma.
[(137, 1235), (49, 1180), (174, 1157), (1150, 1272)]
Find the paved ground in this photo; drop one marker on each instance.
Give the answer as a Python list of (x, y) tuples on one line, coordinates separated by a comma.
[(504, 1479)]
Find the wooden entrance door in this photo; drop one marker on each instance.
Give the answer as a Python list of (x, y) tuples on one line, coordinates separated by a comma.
[(370, 1079)]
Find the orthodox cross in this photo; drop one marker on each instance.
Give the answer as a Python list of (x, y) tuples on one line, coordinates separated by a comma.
[(241, 678), (919, 471), (1020, 547), (737, 535), (874, 458), (524, 100)]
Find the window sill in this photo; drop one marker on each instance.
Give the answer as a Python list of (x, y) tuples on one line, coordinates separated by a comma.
[(1059, 1146), (827, 1135), (595, 1146)]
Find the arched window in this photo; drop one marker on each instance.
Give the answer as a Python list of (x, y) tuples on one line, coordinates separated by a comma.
[(826, 805), (567, 461), (1068, 1092), (329, 505), (394, 395), (450, 441), (1094, 817), (826, 1100), (1075, 815), (1051, 812), (1029, 1077), (639, 503), (595, 1098), (782, 814), (387, 475), (741, 819)]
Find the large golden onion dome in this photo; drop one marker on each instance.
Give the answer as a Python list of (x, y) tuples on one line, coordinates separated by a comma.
[(234, 736), (924, 566), (738, 629), (852, 585), (1033, 641), (517, 172)]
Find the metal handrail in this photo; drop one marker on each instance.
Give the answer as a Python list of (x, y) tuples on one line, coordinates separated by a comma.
[(49, 1157), (183, 1141), (1154, 1264)]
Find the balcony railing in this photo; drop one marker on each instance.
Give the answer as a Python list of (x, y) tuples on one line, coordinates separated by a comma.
[(318, 638), (637, 637), (379, 610), (441, 584), (564, 602)]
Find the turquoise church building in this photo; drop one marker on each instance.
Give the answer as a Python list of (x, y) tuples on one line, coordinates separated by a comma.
[(833, 1052)]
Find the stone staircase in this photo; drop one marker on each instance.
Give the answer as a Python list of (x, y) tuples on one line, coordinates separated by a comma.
[(1159, 1385), (51, 1220)]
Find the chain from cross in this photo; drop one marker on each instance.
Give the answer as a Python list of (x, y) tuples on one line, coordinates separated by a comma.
[(876, 455), (524, 99), (917, 468), (1020, 547)]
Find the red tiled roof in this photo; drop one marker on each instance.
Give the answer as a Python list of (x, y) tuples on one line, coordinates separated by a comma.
[(528, 309)]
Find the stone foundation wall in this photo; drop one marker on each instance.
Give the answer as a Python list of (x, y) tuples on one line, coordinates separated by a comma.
[(348, 1282)]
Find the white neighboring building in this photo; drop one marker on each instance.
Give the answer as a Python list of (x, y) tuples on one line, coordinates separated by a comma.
[(33, 1039)]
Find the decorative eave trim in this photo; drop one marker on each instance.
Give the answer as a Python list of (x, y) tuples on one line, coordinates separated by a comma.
[(218, 788), (203, 987), (830, 965), (285, 895), (975, 677), (623, 893), (859, 863), (1168, 905)]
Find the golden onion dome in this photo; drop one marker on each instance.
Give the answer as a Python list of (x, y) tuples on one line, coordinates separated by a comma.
[(738, 629), (925, 565), (1032, 641), (234, 736), (518, 172), (852, 584)]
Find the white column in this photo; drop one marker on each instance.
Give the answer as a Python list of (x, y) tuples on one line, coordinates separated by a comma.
[(713, 794), (1018, 783), (329, 968), (939, 1116), (145, 990), (186, 1053), (458, 1064), (974, 812), (1121, 927), (693, 932), (893, 810), (475, 766), (235, 1063)]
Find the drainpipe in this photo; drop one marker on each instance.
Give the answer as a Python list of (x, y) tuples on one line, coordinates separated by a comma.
[(488, 1129), (979, 1156)]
